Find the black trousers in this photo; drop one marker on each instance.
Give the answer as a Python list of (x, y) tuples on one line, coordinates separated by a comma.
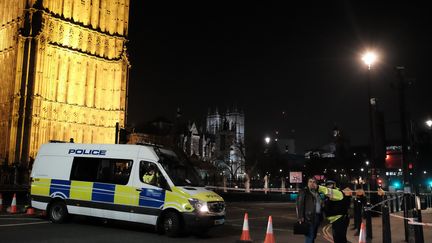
[(358, 207), (339, 229)]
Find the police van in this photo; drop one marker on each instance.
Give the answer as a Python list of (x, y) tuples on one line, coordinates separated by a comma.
[(109, 181)]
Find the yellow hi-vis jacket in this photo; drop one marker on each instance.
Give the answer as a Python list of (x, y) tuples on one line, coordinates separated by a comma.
[(334, 195), (150, 178)]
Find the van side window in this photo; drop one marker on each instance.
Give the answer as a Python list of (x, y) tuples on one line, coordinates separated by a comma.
[(150, 174), (113, 171)]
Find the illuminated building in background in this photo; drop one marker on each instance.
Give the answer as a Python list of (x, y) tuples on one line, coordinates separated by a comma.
[(64, 73)]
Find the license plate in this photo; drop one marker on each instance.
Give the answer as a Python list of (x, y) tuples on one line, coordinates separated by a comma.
[(219, 221)]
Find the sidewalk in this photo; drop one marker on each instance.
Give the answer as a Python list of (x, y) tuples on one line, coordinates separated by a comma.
[(397, 228)]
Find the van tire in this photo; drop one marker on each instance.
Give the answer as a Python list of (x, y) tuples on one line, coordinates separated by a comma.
[(57, 212), (172, 224)]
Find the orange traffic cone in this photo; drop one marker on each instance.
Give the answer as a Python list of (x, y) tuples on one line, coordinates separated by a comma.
[(245, 236), (13, 208), (1, 202), (362, 235), (269, 238), (30, 211)]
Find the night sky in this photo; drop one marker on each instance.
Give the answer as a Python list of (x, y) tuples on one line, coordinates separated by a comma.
[(294, 68)]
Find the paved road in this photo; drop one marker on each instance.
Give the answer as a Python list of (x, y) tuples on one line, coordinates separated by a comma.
[(21, 228)]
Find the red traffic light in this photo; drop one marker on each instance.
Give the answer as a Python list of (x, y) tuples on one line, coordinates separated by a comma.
[(379, 181)]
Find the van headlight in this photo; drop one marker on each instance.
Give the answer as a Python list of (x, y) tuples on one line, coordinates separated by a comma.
[(199, 205)]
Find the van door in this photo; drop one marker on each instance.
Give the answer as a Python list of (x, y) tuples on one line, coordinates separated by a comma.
[(150, 185), (99, 187)]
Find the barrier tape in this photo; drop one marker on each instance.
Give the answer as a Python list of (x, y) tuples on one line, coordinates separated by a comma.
[(253, 189), (382, 202), (410, 220), (418, 223), (353, 192)]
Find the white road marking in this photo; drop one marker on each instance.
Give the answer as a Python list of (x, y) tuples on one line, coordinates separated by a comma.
[(10, 218), (21, 224)]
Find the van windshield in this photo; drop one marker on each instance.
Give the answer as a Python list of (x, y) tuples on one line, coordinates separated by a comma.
[(181, 172)]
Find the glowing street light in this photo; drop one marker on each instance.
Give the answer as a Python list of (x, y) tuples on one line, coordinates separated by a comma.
[(267, 140), (369, 58), (429, 123)]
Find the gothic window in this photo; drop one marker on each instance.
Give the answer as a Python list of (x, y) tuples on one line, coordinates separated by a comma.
[(71, 36), (60, 33), (75, 116), (93, 119), (51, 30), (65, 115), (106, 47), (42, 42), (80, 40), (98, 41)]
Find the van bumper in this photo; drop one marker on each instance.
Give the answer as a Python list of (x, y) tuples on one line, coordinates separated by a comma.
[(195, 221)]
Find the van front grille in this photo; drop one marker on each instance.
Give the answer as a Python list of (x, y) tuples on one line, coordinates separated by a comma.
[(216, 207)]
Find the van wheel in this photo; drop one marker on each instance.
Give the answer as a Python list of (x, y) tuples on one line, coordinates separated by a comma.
[(57, 212), (172, 224)]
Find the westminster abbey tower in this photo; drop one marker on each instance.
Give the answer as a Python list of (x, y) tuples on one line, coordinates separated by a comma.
[(64, 73)]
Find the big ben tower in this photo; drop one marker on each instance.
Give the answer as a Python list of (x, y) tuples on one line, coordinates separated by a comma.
[(63, 73)]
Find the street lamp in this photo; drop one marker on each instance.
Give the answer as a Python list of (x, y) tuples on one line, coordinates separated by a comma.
[(267, 140), (369, 58), (429, 123)]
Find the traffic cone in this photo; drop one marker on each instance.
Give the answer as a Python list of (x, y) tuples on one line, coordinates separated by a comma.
[(30, 211), (1, 202), (269, 238), (245, 236), (362, 236), (13, 208)]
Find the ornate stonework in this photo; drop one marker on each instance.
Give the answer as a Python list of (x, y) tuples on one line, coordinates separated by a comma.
[(64, 72)]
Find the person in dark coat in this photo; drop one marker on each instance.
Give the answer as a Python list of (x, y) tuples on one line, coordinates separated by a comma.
[(359, 203), (309, 208)]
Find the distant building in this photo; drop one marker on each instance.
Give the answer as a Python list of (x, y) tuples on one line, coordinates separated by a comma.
[(220, 142), (157, 132)]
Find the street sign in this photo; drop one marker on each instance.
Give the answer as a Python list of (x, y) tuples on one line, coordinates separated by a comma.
[(296, 177)]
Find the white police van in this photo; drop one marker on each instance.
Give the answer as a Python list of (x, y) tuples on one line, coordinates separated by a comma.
[(106, 181)]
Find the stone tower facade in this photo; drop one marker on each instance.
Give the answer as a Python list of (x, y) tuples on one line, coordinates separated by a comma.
[(64, 73), (224, 139)]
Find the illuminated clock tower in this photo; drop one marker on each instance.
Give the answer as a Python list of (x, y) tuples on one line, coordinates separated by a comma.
[(64, 73)]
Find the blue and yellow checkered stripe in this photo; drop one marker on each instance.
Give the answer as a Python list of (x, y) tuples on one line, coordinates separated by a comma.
[(98, 192)]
